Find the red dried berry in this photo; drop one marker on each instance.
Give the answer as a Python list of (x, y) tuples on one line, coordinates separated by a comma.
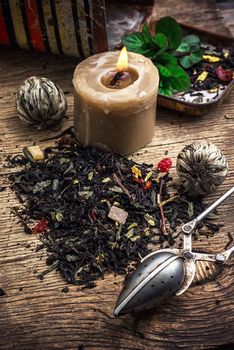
[(164, 165), (224, 74), (41, 226)]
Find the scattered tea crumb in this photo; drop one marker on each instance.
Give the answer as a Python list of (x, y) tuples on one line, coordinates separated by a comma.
[(230, 240), (65, 290), (2, 292)]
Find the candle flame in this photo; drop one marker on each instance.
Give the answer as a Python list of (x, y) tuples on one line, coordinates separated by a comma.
[(123, 60)]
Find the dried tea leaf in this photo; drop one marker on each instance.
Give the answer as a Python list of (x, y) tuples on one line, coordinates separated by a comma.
[(171, 199), (116, 189), (135, 238), (90, 175), (85, 194), (72, 258), (212, 216), (55, 184), (118, 233), (100, 258), (113, 245), (57, 215), (149, 219), (69, 168), (63, 160), (134, 224), (147, 231), (190, 209), (153, 197), (40, 186), (107, 179), (130, 233)]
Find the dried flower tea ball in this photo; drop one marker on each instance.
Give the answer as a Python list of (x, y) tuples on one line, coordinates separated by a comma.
[(201, 168), (40, 103)]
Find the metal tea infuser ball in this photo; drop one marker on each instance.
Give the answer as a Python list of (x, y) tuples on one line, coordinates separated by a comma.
[(167, 272)]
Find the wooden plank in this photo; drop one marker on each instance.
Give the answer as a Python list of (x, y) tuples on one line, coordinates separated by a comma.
[(35, 314), (204, 14)]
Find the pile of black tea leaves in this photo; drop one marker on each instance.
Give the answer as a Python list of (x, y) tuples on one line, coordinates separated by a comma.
[(66, 199)]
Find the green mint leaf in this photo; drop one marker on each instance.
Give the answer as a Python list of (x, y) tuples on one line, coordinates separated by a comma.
[(166, 58), (138, 42), (186, 61), (169, 27), (133, 41), (196, 56), (146, 34), (179, 79), (191, 40), (184, 47), (163, 71), (160, 40), (164, 87), (189, 60)]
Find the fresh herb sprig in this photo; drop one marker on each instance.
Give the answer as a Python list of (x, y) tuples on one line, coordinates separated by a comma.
[(169, 51)]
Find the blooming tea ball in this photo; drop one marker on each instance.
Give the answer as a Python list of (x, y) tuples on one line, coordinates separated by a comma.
[(40, 103), (201, 168)]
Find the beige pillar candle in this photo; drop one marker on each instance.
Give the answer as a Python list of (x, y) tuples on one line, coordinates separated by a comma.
[(115, 111)]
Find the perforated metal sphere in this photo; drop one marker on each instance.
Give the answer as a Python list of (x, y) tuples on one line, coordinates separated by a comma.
[(147, 288), (201, 168), (40, 103)]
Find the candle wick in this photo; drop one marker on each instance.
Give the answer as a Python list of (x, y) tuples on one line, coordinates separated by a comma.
[(116, 77)]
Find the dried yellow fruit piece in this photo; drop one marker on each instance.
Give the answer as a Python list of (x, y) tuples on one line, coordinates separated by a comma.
[(226, 54), (213, 90), (136, 172), (202, 76), (36, 152), (211, 59)]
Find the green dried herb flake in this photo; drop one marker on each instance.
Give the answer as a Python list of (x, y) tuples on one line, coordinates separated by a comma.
[(40, 186), (107, 179), (85, 194), (72, 258), (116, 189), (130, 233), (190, 209), (55, 184), (57, 215), (133, 225), (135, 238), (90, 175), (149, 219)]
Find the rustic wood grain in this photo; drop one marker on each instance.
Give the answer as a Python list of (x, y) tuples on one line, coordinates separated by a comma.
[(35, 314)]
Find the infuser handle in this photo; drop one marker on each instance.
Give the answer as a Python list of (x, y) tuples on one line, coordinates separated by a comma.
[(214, 205), (189, 227)]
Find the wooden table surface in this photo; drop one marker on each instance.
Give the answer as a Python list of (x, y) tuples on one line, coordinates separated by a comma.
[(35, 314)]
